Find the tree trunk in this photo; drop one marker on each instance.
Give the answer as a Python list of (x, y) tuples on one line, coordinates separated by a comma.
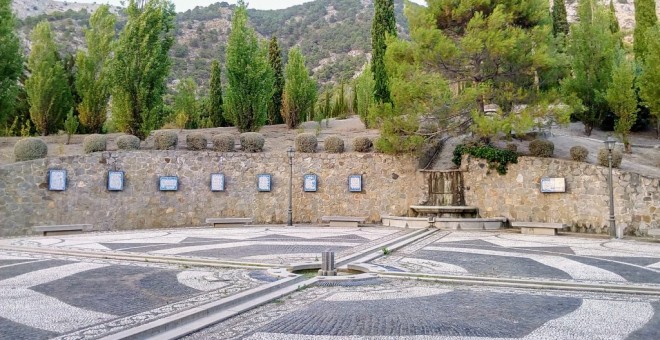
[(588, 128)]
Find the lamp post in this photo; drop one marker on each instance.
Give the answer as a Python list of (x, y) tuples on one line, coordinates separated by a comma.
[(290, 152), (610, 142)]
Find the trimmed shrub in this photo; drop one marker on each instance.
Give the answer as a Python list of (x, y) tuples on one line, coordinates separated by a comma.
[(28, 149), (128, 142), (579, 153), (333, 144), (95, 143), (541, 148), (362, 144), (512, 147), (252, 142), (306, 142), (196, 141), (223, 143), (617, 157), (166, 140)]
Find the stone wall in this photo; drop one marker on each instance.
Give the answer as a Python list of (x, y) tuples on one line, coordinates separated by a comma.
[(390, 184), (585, 205)]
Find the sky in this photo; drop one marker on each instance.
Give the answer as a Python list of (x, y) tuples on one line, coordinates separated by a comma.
[(184, 5)]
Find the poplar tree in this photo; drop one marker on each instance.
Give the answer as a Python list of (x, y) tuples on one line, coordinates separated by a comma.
[(559, 20), (275, 104), (185, 105), (249, 76), (300, 90), (92, 80), (11, 61), (645, 18), (48, 93), (384, 24), (139, 73), (622, 98), (215, 109), (649, 80), (364, 87)]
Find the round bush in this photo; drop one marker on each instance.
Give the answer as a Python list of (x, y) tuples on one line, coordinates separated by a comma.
[(30, 148), (512, 147), (362, 144), (128, 142), (196, 141), (333, 144), (306, 142), (617, 157), (579, 153), (95, 143), (252, 142), (223, 143), (541, 148), (166, 140)]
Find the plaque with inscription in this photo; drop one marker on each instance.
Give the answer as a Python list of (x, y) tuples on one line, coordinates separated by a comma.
[(310, 183), (115, 180), (355, 183), (57, 180), (169, 183), (552, 185), (217, 182), (263, 182)]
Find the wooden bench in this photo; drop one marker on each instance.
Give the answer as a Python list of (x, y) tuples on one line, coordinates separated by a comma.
[(538, 228), (62, 229), (343, 221), (228, 222)]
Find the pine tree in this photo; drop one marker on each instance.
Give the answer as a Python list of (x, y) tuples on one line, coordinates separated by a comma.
[(645, 18), (622, 98), (275, 104), (384, 24), (11, 62), (47, 89), (92, 81), (249, 76), (215, 109), (300, 90), (649, 80), (559, 20)]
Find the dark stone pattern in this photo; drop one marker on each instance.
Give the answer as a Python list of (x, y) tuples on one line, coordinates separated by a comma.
[(652, 329), (28, 267), (262, 275), (118, 290), (480, 244), (10, 262), (475, 243), (10, 330), (629, 272), (458, 313), (640, 261), (486, 265), (561, 250), (256, 250)]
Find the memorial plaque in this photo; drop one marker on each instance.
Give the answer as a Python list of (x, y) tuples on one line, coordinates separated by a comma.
[(217, 182), (552, 185), (115, 180), (310, 183), (263, 182), (169, 183), (57, 180), (355, 183)]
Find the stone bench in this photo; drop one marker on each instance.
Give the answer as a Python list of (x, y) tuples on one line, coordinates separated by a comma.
[(538, 228), (443, 211), (45, 230), (228, 222), (654, 233), (343, 221)]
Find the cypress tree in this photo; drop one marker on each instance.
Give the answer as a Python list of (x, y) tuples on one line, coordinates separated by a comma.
[(300, 90), (559, 20), (11, 61), (215, 95), (614, 22), (275, 104), (384, 23), (645, 18)]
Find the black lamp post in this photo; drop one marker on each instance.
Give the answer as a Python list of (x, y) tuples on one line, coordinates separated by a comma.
[(610, 142), (290, 152)]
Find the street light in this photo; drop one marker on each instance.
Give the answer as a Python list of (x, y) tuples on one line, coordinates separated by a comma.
[(290, 152), (610, 142)]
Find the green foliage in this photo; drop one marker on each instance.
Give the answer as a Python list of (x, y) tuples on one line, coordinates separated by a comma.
[(70, 125), (579, 153), (340, 108), (223, 143), (11, 61), (300, 90), (95, 143), (384, 24), (139, 75), (214, 104), (249, 76), (559, 19), (166, 140), (186, 115), (622, 98), (47, 89), (614, 22), (364, 88), (252, 141), (498, 159), (645, 18), (541, 148), (30, 148), (362, 144), (306, 142), (196, 141), (275, 103), (617, 157), (649, 80), (128, 142), (92, 79), (333, 144)]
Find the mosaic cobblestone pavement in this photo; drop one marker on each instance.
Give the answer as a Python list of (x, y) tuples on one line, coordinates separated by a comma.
[(62, 296)]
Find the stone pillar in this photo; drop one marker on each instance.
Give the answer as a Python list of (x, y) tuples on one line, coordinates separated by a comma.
[(328, 264)]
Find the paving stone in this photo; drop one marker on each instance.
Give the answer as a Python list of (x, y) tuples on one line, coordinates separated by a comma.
[(640, 261), (652, 329), (629, 272), (256, 250), (25, 268), (10, 262), (10, 330)]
